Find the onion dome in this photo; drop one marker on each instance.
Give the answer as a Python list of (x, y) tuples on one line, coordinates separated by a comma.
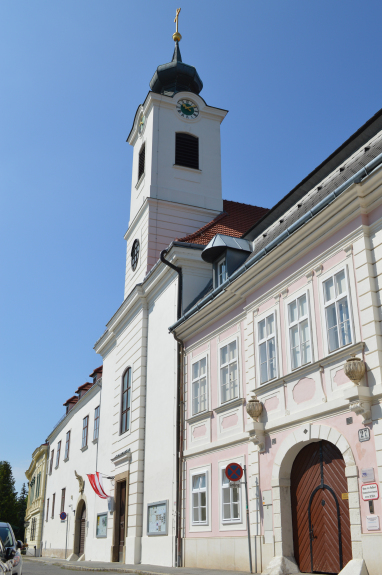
[(176, 77)]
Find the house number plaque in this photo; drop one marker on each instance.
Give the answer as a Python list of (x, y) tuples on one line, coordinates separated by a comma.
[(364, 434)]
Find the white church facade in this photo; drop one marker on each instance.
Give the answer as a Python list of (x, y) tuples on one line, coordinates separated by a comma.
[(221, 301)]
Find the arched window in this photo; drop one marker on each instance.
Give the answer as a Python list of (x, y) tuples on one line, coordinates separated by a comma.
[(126, 400), (186, 150), (141, 162)]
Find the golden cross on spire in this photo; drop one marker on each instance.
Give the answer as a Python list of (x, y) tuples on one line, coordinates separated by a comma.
[(176, 36)]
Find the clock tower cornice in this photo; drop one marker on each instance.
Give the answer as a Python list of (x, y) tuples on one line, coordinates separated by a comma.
[(169, 102)]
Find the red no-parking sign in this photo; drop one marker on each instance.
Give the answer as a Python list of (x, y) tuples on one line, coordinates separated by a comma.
[(234, 472)]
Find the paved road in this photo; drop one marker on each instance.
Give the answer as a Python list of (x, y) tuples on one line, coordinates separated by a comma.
[(34, 568)]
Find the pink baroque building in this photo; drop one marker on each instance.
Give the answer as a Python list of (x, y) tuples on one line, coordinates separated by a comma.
[(287, 305)]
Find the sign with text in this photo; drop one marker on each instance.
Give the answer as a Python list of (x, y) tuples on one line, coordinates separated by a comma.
[(157, 518), (370, 491), (364, 434), (367, 475), (372, 522)]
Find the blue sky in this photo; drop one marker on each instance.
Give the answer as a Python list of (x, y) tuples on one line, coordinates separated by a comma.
[(298, 78)]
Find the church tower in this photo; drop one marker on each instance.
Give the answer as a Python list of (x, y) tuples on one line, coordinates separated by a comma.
[(176, 177)]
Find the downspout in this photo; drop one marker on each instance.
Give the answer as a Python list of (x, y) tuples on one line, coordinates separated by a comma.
[(180, 410)]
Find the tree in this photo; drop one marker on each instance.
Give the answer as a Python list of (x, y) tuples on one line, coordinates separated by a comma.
[(21, 510), (8, 495)]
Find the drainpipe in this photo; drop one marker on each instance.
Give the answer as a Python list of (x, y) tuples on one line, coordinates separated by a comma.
[(180, 412)]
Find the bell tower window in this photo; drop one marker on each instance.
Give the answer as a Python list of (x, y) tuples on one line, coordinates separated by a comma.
[(186, 150), (141, 162)]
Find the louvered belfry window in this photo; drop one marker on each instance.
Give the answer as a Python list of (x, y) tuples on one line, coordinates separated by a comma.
[(187, 150), (141, 162)]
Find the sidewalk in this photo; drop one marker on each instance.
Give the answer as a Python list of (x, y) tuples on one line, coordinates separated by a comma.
[(123, 568)]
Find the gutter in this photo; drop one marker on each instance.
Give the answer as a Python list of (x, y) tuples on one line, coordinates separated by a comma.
[(180, 413), (355, 179)]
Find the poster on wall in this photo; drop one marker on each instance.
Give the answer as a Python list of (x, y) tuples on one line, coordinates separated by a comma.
[(370, 491), (102, 525), (157, 518)]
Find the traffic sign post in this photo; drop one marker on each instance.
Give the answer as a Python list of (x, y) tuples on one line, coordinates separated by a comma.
[(64, 517), (234, 472)]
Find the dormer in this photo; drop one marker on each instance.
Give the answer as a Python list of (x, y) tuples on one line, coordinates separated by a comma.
[(70, 403), (96, 374), (83, 389), (226, 254)]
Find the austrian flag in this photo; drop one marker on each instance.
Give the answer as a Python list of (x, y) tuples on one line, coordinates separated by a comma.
[(96, 483)]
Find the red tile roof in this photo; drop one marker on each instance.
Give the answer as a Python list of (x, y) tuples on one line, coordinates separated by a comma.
[(97, 370), (84, 387), (73, 399), (235, 220)]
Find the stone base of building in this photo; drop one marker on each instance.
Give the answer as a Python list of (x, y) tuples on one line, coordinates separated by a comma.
[(226, 553), (59, 553)]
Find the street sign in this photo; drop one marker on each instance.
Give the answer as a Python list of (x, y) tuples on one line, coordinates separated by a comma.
[(234, 472), (63, 516), (364, 434), (369, 491)]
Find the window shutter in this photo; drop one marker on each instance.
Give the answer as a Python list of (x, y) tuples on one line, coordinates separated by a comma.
[(187, 151), (141, 163)]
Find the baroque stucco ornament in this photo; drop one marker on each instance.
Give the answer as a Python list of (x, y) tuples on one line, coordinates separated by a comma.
[(80, 481), (354, 369)]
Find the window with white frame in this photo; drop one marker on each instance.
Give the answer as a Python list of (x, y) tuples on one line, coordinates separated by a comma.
[(231, 505), (229, 381), (267, 348), (199, 499), (337, 312), (221, 272), (199, 386), (299, 331)]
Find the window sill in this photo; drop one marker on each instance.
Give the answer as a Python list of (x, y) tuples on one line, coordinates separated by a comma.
[(229, 405), (66, 459), (95, 440), (199, 417), (187, 169), (56, 466), (84, 448)]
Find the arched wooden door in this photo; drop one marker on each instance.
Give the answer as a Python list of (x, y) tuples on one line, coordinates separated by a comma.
[(82, 530), (321, 521)]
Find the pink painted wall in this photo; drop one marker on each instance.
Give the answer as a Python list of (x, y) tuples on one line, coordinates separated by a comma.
[(363, 453), (214, 458)]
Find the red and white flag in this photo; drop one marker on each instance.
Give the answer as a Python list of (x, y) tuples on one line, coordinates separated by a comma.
[(96, 483)]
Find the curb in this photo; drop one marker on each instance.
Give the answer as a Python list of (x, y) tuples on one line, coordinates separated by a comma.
[(74, 567)]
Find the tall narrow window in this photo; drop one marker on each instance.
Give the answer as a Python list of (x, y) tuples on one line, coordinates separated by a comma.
[(96, 423), (63, 491), (267, 348), (85, 426), (141, 162), (187, 150), (125, 403), (299, 331), (51, 462), (38, 481), (221, 272), (33, 529), (67, 444), (229, 384), (53, 502), (230, 501), (199, 499), (33, 482), (47, 510), (199, 386), (58, 453), (337, 311)]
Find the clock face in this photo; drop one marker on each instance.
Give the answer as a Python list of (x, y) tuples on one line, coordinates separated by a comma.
[(187, 109), (141, 124)]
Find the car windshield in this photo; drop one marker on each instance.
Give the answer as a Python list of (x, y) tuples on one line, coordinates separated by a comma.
[(6, 536)]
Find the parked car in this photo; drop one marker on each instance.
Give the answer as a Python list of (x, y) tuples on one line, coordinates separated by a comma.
[(10, 556)]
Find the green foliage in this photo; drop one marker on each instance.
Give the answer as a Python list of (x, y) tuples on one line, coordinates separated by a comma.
[(12, 507), (8, 495)]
